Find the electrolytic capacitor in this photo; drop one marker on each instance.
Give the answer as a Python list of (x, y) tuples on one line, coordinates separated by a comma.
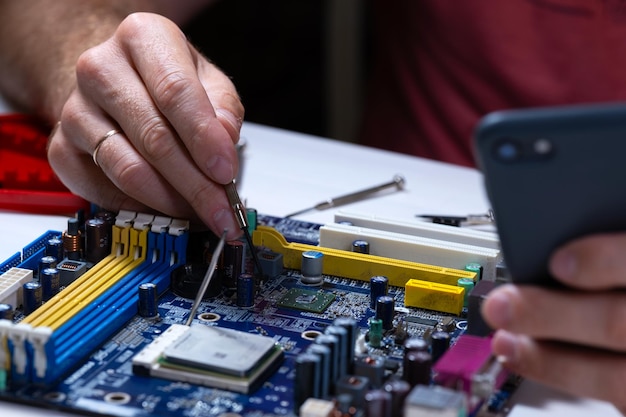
[(385, 306), (50, 280), (413, 344), (32, 296), (417, 368), (47, 262), (332, 342), (148, 300), (311, 269), (378, 287), (54, 247), (306, 385), (439, 344), (324, 354), (351, 327), (468, 285), (344, 345), (399, 389), (233, 259), (6, 311), (97, 240), (361, 246), (475, 267), (246, 288), (417, 344), (377, 403)]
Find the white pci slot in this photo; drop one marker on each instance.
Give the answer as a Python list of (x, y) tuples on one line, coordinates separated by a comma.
[(411, 248), (429, 230)]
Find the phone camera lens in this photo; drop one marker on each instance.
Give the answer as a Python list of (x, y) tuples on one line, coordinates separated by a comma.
[(507, 150), (542, 147)]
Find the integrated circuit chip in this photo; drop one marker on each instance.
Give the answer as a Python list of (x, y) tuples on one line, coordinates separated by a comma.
[(212, 356), (306, 300)]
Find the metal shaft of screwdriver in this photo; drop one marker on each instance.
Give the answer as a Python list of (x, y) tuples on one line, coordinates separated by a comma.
[(207, 278), (242, 219), (398, 182)]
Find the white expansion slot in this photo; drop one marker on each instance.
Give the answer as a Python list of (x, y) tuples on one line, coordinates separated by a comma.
[(412, 248), (463, 235)]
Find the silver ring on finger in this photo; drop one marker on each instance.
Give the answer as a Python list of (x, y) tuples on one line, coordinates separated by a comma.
[(107, 135)]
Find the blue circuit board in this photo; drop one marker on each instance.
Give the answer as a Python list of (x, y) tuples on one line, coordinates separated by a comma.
[(104, 382)]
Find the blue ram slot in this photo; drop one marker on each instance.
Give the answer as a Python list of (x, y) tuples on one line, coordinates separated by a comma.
[(76, 336), (75, 339)]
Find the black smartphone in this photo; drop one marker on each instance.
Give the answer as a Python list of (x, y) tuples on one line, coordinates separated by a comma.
[(552, 175)]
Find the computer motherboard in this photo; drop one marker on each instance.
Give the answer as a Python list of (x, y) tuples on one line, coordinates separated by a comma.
[(364, 317)]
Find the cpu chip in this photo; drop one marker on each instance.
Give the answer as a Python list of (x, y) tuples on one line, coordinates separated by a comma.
[(212, 356)]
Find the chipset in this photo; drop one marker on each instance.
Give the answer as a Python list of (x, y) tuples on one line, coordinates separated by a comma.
[(211, 356), (306, 300)]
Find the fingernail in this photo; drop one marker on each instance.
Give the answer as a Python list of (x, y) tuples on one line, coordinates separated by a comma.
[(225, 220), (221, 169), (505, 346), (563, 265), (497, 308)]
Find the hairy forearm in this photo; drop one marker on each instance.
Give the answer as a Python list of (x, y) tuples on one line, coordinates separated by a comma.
[(41, 40)]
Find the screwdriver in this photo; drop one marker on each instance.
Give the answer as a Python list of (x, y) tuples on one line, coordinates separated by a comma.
[(242, 220), (397, 182), (207, 278)]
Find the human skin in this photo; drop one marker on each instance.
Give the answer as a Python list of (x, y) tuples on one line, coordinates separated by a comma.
[(96, 66), (573, 339)]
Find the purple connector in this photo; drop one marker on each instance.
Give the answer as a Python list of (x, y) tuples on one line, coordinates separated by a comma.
[(469, 366)]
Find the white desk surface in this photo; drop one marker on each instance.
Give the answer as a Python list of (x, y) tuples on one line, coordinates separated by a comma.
[(286, 171)]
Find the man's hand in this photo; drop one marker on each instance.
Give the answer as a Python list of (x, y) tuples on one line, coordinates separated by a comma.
[(178, 116), (573, 339)]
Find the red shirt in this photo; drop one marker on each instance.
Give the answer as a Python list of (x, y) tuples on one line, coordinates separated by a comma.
[(442, 64)]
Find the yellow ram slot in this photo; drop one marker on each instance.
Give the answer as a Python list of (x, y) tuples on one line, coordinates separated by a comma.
[(119, 251), (434, 296), (356, 265), (69, 306)]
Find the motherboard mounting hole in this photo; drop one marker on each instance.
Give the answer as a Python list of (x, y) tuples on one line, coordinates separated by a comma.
[(310, 334), (117, 398), (210, 317), (55, 396)]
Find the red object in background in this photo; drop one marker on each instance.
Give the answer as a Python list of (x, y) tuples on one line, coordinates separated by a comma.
[(27, 182)]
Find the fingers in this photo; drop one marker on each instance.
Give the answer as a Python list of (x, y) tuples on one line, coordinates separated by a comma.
[(577, 370), (596, 262), (179, 118), (172, 83), (591, 319)]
